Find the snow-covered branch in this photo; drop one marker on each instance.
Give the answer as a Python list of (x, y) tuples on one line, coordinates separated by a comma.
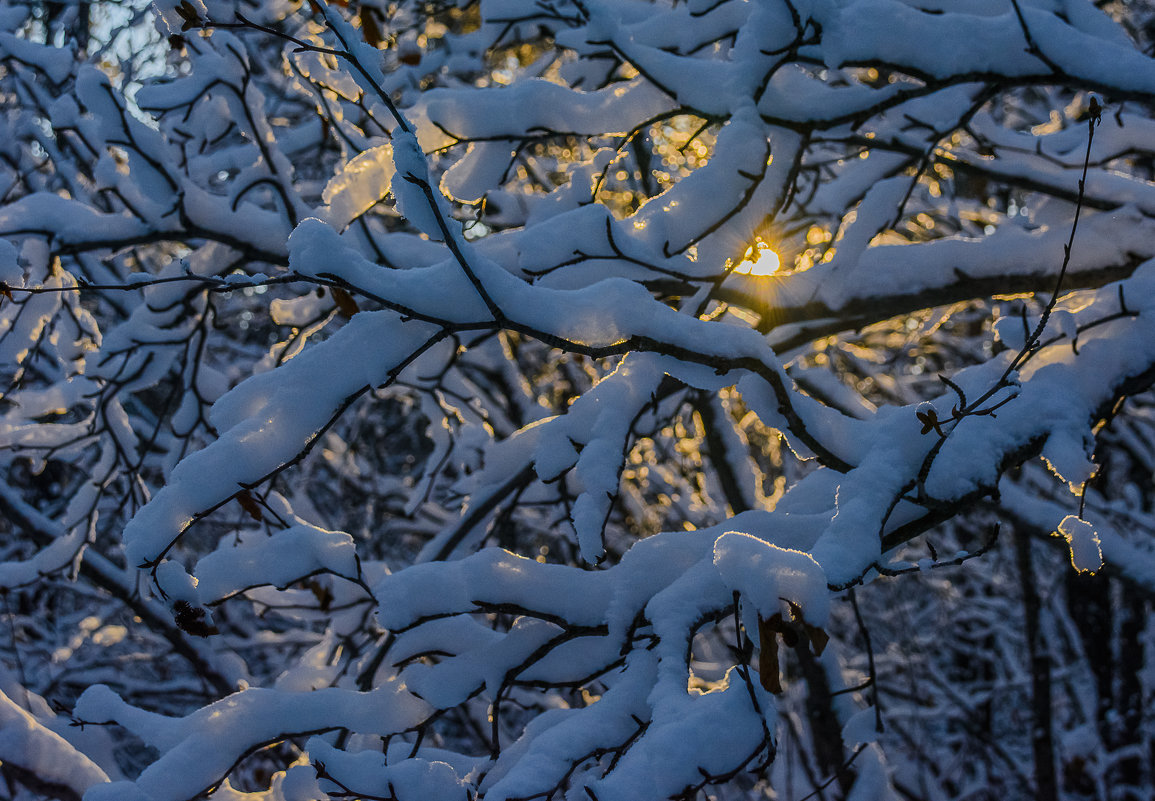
[(503, 400)]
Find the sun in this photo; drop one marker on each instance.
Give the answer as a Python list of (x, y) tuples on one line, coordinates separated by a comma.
[(759, 260)]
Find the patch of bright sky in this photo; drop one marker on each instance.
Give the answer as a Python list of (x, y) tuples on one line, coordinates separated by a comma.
[(127, 46)]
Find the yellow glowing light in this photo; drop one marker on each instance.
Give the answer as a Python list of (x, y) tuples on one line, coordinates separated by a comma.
[(759, 260)]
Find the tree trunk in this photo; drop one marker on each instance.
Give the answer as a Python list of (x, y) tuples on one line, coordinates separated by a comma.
[(1042, 741)]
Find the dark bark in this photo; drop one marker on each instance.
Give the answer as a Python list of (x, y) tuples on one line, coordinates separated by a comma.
[(1129, 705), (1042, 737), (829, 749)]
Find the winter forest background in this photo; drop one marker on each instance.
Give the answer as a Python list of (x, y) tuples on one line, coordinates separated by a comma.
[(599, 400)]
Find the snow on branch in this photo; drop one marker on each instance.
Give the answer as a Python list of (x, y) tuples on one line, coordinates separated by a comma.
[(503, 401)]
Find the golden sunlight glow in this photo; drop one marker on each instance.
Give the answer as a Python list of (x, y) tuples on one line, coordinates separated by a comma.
[(759, 260)]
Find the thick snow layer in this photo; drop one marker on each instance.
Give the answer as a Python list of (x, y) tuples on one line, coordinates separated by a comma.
[(268, 419), (199, 749), (418, 197), (766, 576), (11, 273), (280, 560), (495, 577), (542, 105), (27, 744), (412, 779)]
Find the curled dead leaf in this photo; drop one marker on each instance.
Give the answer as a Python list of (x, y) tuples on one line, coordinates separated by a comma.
[(249, 504), (794, 633), (346, 306), (768, 668), (369, 27)]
